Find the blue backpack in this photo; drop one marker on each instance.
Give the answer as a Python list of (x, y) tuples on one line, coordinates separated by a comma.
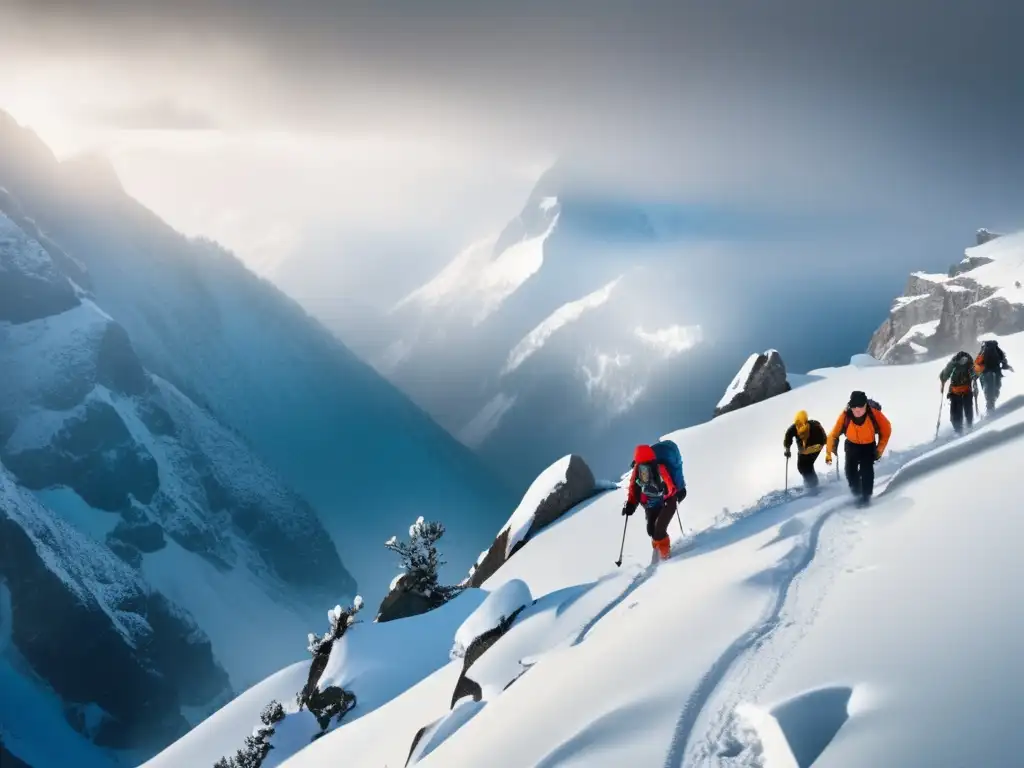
[(667, 453)]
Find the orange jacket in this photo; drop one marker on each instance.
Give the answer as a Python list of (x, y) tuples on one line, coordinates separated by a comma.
[(863, 434)]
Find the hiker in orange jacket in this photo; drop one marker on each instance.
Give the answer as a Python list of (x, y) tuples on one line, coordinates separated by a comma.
[(651, 485), (860, 422)]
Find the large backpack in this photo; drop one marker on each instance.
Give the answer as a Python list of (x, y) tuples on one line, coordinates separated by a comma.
[(991, 355), (961, 374), (873, 406), (667, 453)]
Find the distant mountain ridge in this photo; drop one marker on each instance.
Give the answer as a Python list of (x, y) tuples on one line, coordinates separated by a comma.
[(183, 453), (237, 346)]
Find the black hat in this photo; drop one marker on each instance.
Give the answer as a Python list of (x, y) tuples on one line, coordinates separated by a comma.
[(858, 399)]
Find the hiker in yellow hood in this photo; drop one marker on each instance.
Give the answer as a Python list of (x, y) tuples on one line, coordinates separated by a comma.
[(810, 439)]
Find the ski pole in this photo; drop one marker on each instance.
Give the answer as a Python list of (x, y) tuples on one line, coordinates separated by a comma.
[(618, 563), (938, 420), (787, 474), (680, 520)]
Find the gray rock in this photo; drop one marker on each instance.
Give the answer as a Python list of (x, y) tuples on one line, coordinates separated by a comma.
[(94, 454), (118, 368), (144, 535), (960, 308), (31, 286), (767, 378), (578, 486), (401, 603), (138, 658), (921, 303), (983, 236)]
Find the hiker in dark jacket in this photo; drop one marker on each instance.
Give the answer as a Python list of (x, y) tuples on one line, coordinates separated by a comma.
[(651, 485), (810, 438), (960, 374), (989, 366)]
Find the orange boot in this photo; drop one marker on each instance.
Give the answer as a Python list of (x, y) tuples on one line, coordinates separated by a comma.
[(663, 546)]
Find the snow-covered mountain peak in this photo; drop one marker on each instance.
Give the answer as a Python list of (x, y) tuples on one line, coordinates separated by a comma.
[(558, 319)]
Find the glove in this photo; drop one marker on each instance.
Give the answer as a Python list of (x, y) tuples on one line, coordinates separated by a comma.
[(627, 510), (786, 453), (828, 458), (878, 455)]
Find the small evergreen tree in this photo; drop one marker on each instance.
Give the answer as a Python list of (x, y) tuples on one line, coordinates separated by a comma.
[(257, 746), (339, 621), (420, 562), (332, 703)]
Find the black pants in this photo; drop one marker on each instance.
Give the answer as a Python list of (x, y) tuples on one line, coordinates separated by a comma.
[(860, 468), (991, 382), (659, 517), (805, 466), (961, 408)]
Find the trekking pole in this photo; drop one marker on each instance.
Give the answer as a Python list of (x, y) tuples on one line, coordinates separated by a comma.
[(938, 420), (618, 563), (680, 520), (787, 474)]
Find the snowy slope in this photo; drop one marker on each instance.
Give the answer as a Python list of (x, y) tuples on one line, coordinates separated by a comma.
[(786, 627)]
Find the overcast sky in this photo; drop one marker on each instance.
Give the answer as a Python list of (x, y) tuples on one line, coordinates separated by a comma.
[(269, 125)]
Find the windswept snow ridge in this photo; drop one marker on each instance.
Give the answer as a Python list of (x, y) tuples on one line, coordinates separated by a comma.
[(771, 634)]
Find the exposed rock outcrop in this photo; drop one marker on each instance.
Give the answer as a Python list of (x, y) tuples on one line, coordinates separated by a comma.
[(31, 286), (401, 603), (562, 488), (95, 632), (101, 464), (761, 377), (983, 236), (941, 314)]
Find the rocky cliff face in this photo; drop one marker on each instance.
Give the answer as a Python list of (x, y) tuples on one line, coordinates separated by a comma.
[(938, 315), (761, 377), (114, 486)]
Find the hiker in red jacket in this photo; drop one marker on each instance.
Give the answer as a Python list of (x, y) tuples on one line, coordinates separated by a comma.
[(651, 485)]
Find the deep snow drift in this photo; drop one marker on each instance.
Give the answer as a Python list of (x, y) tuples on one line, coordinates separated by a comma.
[(786, 629)]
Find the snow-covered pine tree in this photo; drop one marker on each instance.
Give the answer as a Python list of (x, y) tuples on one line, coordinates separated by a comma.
[(421, 561), (257, 746)]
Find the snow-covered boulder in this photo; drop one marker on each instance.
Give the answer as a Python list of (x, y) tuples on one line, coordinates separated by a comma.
[(496, 608), (762, 376), (559, 488), (941, 314)]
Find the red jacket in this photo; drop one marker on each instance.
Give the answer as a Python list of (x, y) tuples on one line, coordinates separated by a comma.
[(644, 454)]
